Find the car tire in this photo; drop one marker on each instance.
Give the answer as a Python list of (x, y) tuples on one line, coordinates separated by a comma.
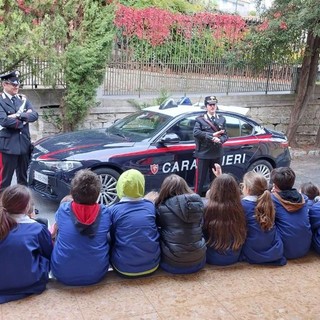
[(109, 179), (263, 167)]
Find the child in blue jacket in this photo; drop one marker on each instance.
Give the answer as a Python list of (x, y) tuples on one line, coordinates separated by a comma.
[(135, 238), (263, 244), (25, 247), (81, 251), (292, 218), (313, 193)]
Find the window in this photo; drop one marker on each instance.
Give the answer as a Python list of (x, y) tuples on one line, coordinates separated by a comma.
[(184, 128), (237, 127)]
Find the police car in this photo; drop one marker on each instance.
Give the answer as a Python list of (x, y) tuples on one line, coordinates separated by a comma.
[(158, 141)]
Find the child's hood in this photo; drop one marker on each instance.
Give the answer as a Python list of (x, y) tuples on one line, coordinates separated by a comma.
[(86, 218), (131, 184), (189, 207), (292, 200)]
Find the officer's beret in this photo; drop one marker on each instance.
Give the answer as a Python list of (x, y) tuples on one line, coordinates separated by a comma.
[(12, 77), (210, 100)]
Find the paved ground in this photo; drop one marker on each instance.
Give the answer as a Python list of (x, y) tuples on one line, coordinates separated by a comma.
[(306, 169), (240, 291)]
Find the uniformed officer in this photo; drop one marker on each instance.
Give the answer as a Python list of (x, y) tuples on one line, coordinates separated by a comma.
[(15, 143), (209, 133)]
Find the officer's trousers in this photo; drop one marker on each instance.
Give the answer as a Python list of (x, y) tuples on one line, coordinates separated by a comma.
[(8, 164), (204, 169)]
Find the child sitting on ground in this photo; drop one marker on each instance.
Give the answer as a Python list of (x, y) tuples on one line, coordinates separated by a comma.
[(180, 217), (263, 243), (135, 238), (224, 221), (313, 194), (311, 191), (25, 247), (81, 251), (292, 219)]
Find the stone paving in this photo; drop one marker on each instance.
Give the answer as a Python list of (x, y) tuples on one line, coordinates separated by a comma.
[(306, 165)]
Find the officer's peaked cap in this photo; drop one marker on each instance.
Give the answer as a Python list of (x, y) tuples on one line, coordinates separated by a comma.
[(210, 100), (12, 77)]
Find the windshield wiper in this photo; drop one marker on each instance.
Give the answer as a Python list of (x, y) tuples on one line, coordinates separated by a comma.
[(120, 135), (116, 133)]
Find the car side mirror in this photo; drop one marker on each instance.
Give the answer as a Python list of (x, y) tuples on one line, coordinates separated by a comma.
[(170, 138)]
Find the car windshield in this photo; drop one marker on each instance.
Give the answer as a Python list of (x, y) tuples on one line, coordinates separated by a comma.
[(139, 126)]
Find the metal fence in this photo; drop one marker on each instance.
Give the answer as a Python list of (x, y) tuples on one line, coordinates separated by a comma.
[(35, 74), (142, 80), (154, 73), (181, 67)]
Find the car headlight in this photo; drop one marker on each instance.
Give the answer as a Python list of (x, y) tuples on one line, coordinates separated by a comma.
[(61, 165)]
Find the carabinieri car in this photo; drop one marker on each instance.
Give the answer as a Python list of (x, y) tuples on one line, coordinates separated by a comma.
[(158, 141)]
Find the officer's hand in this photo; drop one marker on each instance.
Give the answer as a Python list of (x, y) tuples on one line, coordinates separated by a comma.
[(218, 133), (216, 140), (14, 115), (217, 171)]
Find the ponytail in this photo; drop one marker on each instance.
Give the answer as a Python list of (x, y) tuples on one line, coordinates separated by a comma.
[(14, 200), (264, 211), (7, 223)]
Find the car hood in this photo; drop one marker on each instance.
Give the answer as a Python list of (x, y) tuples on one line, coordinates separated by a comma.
[(66, 145)]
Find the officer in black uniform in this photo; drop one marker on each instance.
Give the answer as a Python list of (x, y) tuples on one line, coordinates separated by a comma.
[(15, 144), (209, 133)]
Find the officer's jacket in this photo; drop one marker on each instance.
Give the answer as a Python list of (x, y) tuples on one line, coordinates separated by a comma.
[(14, 133), (203, 134)]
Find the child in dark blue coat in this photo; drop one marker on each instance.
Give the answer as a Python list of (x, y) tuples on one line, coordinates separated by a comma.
[(263, 244), (81, 251), (313, 193), (25, 247), (292, 218), (134, 233)]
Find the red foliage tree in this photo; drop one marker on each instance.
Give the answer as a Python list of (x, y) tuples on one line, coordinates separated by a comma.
[(156, 25)]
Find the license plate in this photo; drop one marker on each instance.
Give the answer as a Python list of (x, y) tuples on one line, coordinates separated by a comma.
[(41, 177)]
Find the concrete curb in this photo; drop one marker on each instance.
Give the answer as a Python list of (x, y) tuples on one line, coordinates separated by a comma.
[(297, 153)]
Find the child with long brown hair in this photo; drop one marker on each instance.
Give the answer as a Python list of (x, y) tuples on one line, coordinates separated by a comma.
[(180, 218), (263, 244), (224, 221), (25, 247)]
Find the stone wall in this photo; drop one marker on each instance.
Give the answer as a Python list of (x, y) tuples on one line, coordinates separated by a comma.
[(272, 110)]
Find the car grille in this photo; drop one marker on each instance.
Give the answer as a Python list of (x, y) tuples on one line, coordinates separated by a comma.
[(44, 189)]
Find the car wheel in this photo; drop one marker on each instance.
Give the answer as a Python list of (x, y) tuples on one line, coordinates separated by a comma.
[(109, 179), (263, 167)]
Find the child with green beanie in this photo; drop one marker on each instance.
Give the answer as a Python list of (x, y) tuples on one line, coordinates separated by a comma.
[(135, 250)]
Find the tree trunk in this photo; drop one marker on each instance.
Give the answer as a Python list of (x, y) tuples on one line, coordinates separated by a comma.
[(65, 124), (305, 86)]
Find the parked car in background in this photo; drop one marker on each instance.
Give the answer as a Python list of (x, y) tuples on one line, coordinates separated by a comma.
[(157, 141)]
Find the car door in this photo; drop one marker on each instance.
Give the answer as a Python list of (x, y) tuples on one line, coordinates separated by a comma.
[(177, 147), (241, 147)]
